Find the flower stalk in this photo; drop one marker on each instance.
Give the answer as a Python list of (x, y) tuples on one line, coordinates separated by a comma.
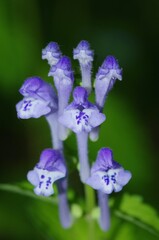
[(52, 120), (64, 211), (82, 143), (104, 219)]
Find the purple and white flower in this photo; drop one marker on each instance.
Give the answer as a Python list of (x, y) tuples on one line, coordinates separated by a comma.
[(107, 75), (62, 73), (81, 115), (39, 99), (105, 79), (63, 79), (106, 174), (85, 57), (52, 53), (49, 169)]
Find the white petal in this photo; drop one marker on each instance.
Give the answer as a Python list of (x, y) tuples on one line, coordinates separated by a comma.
[(123, 177), (94, 181), (107, 188), (117, 187), (46, 180), (51, 60), (33, 178), (96, 119), (32, 108)]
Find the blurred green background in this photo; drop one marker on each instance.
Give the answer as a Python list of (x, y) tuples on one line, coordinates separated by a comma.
[(127, 29)]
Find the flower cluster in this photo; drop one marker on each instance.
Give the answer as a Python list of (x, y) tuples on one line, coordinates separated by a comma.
[(80, 116)]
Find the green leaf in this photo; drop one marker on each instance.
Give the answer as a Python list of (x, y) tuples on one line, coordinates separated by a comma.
[(19, 189), (126, 231), (139, 213), (132, 214)]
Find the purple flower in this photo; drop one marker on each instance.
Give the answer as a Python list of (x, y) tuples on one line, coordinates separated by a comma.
[(106, 174), (52, 53), (81, 115), (50, 168), (85, 57), (63, 79), (105, 79), (39, 99), (62, 72), (83, 53)]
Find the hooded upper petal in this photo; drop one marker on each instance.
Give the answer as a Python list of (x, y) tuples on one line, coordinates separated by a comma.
[(39, 99), (62, 72), (52, 53), (83, 53)]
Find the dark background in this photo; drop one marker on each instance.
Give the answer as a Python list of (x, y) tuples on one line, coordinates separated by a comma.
[(127, 29)]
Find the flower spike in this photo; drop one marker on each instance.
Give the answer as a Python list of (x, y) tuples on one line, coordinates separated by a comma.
[(49, 169), (52, 53), (83, 118), (85, 57)]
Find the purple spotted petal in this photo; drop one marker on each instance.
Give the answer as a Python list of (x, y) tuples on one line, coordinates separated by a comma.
[(106, 174), (81, 115), (50, 168), (32, 108)]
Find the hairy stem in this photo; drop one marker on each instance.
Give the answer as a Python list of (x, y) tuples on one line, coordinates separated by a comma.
[(64, 211), (52, 120), (82, 142), (104, 220), (86, 76)]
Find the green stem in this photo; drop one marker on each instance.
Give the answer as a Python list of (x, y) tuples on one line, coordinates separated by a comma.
[(90, 199), (90, 204)]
